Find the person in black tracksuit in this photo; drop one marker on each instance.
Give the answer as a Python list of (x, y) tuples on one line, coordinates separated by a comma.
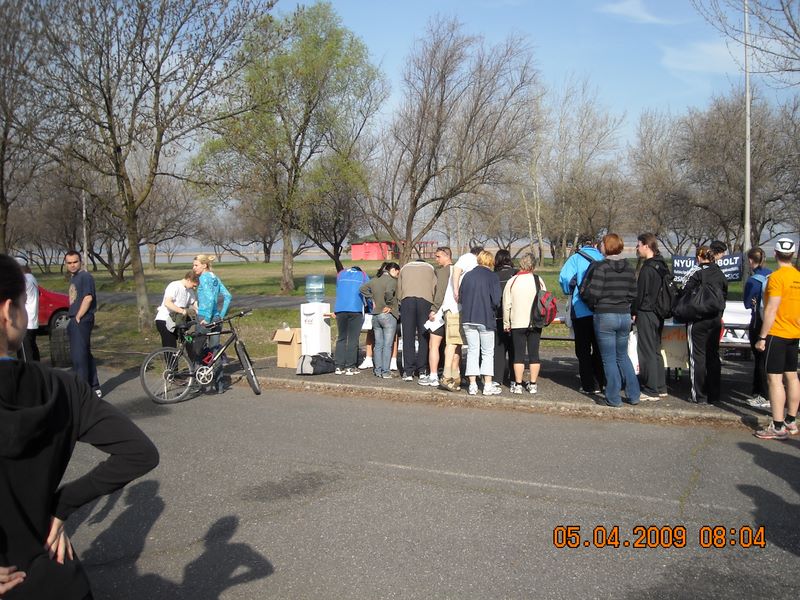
[(43, 413), (703, 335), (503, 348), (652, 372)]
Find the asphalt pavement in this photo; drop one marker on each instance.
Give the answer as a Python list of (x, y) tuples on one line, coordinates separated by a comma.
[(326, 487)]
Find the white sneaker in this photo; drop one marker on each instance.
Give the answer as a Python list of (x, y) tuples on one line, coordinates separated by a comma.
[(393, 364), (408, 377), (491, 390), (516, 388), (423, 380), (473, 389), (366, 363), (758, 401), (352, 372), (338, 371), (531, 387)]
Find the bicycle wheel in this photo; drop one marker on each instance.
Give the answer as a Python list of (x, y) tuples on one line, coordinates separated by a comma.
[(166, 376), (247, 365)]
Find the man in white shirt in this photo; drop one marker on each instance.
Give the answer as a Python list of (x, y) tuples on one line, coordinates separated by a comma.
[(29, 351), (180, 299)]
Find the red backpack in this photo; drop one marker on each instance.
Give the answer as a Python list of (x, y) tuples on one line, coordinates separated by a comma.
[(544, 308)]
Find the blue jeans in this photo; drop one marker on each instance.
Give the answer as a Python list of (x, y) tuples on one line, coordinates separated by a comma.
[(480, 350), (384, 327), (80, 350), (611, 331)]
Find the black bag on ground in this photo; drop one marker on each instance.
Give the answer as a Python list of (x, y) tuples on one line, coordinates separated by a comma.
[(315, 364), (703, 301)]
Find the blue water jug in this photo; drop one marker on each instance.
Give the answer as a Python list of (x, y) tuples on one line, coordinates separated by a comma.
[(315, 288)]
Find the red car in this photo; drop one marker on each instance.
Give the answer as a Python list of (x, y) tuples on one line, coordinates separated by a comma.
[(53, 308)]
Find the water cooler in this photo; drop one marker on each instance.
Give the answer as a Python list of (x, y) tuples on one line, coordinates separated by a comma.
[(315, 328)]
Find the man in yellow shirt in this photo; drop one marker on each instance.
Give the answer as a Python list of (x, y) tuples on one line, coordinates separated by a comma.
[(778, 339)]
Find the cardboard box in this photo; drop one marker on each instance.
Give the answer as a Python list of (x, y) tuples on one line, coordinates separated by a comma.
[(289, 347)]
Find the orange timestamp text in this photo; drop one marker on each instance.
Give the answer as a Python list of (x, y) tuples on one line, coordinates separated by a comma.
[(658, 536)]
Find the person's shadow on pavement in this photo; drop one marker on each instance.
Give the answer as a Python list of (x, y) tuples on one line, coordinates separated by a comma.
[(223, 564), (111, 559)]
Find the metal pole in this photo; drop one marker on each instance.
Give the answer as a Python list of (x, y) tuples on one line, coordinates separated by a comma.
[(747, 101)]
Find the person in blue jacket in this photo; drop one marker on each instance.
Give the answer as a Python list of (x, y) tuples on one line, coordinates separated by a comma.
[(753, 291), (349, 311), (209, 313), (590, 365)]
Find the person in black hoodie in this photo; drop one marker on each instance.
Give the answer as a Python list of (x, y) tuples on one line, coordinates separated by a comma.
[(703, 335), (43, 413), (503, 349), (652, 372), (609, 289)]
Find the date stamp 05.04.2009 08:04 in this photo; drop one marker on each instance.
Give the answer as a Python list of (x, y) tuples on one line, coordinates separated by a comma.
[(655, 536)]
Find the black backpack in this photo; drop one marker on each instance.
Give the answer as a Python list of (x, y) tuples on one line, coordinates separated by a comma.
[(315, 364), (665, 299), (703, 301)]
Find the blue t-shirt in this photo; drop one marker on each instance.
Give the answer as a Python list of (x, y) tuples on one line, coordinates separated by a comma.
[(80, 286)]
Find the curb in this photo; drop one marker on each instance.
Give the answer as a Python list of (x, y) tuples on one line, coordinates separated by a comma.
[(648, 414)]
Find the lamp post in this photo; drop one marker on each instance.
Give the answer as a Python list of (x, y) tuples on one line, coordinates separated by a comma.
[(747, 241)]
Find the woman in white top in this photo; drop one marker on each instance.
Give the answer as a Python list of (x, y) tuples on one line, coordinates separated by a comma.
[(518, 297), (180, 298)]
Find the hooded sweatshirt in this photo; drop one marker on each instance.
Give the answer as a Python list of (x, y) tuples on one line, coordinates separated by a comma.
[(43, 413), (648, 284), (609, 286)]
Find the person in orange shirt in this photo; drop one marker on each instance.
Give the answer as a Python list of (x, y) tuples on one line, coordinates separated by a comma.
[(778, 339)]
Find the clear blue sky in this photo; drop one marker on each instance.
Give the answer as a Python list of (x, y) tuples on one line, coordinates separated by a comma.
[(639, 54)]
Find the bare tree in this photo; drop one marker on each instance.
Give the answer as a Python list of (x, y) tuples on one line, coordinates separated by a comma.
[(712, 147), (22, 110), (580, 165), (465, 114), (139, 77), (774, 32)]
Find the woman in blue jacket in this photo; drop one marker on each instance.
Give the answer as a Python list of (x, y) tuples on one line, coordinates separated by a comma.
[(349, 310), (209, 313)]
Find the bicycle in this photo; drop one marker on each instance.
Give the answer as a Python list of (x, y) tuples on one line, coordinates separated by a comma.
[(169, 375)]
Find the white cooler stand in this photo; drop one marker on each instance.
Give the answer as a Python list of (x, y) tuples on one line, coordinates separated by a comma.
[(315, 328)]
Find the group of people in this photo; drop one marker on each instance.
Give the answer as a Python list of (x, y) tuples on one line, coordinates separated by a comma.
[(481, 303)]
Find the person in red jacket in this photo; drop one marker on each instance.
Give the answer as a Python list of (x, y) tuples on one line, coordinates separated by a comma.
[(43, 413)]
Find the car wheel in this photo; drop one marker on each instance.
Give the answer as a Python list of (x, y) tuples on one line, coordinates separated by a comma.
[(59, 342), (58, 320)]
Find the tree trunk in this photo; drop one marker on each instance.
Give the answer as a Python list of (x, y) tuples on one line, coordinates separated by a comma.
[(151, 251), (337, 260), (3, 227), (267, 251), (287, 270), (139, 283)]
